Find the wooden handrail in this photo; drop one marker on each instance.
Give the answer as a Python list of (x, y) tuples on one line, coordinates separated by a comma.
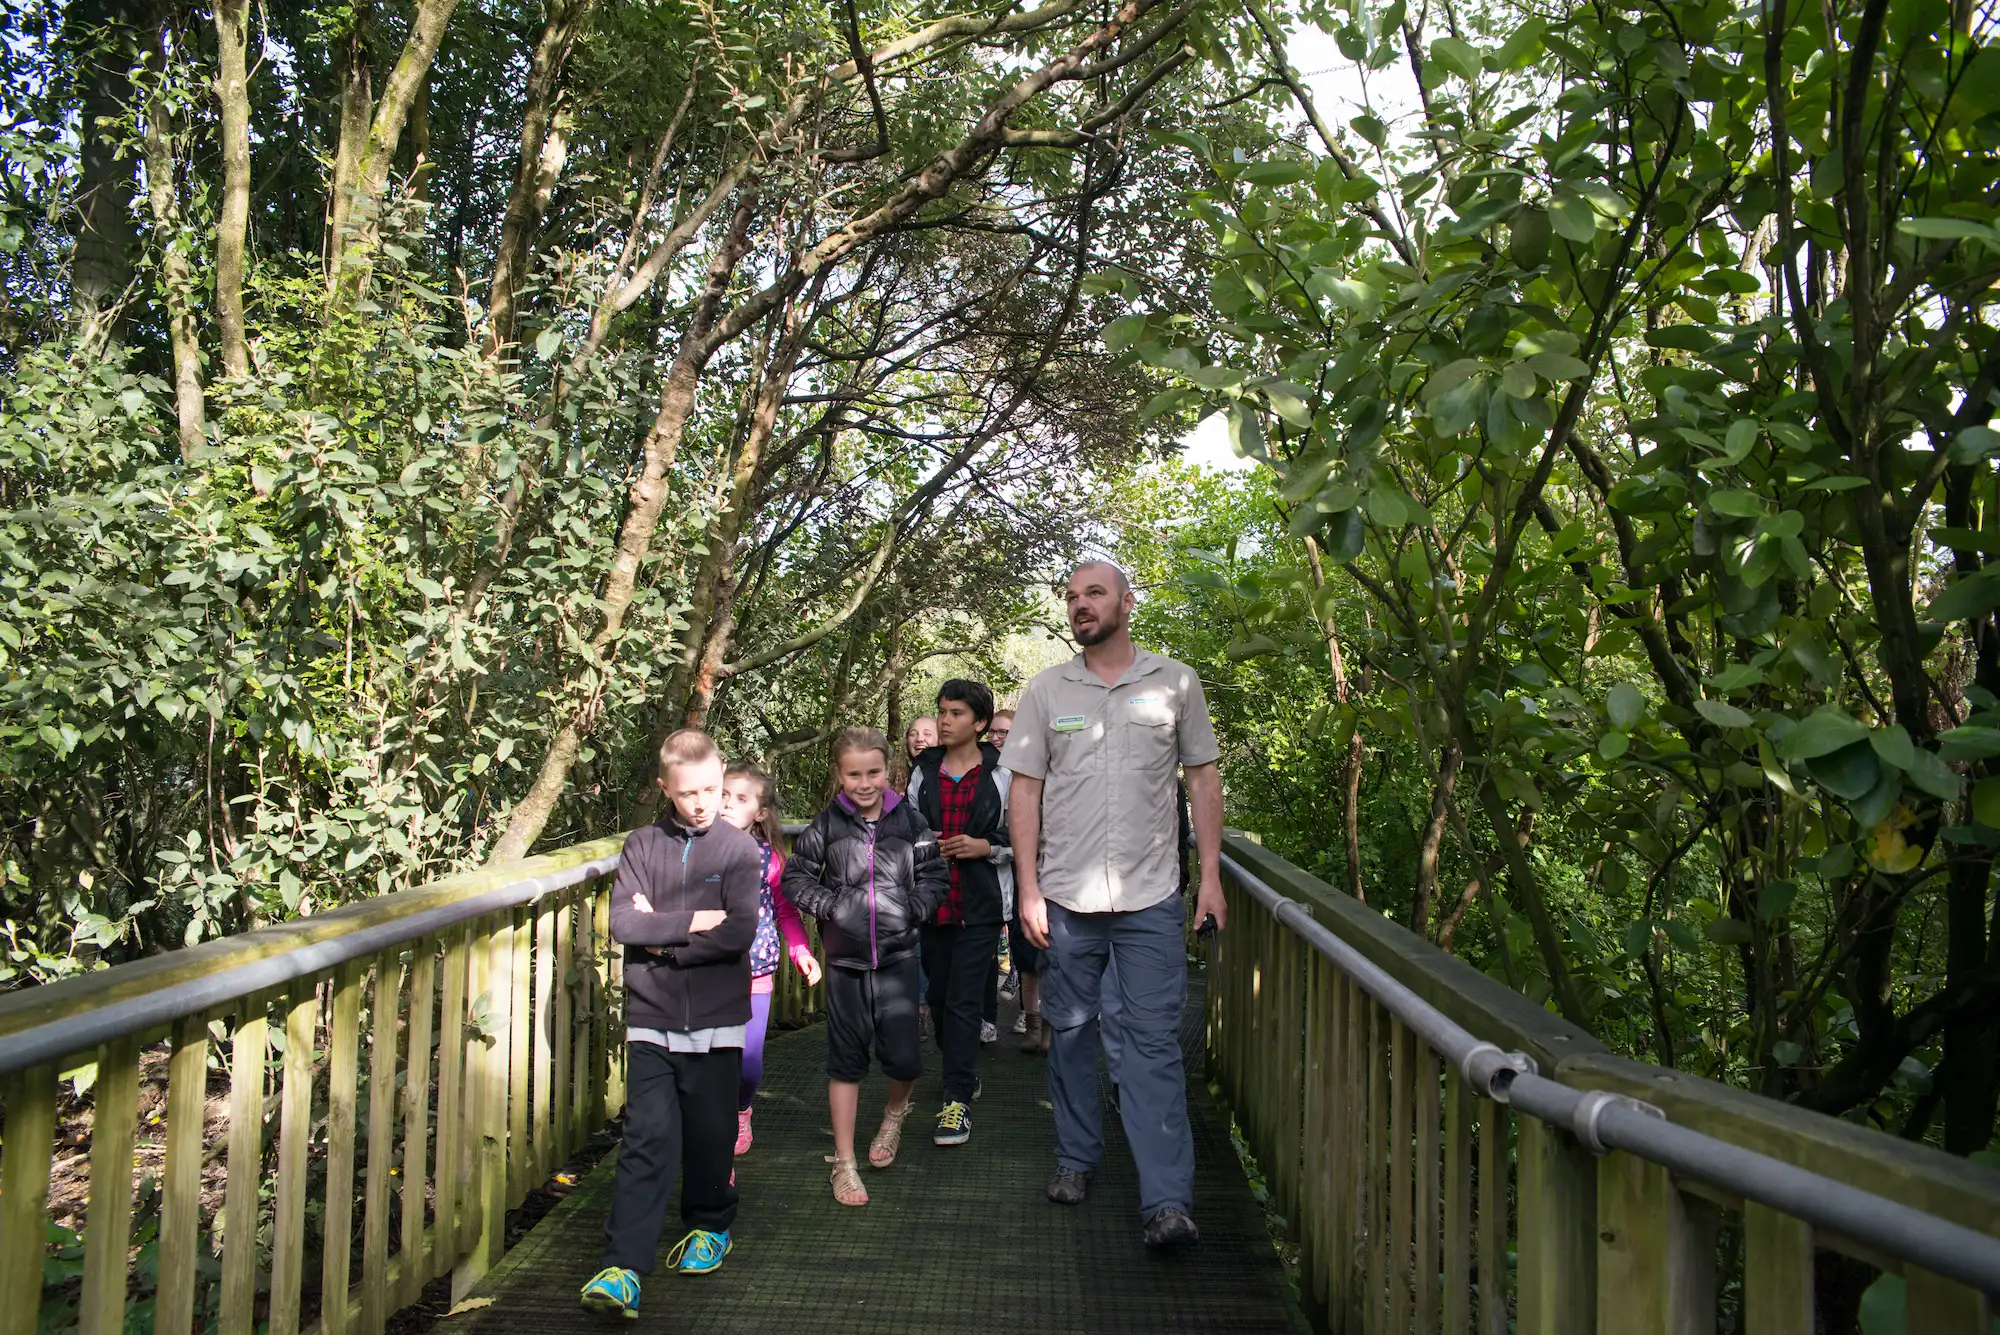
[(1407, 1188)]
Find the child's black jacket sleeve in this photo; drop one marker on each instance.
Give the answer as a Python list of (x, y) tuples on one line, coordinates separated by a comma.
[(804, 880), (732, 936)]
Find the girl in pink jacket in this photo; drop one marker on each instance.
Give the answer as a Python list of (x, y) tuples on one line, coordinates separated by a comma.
[(750, 803)]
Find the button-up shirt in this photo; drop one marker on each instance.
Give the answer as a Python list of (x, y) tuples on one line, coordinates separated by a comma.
[(1108, 757)]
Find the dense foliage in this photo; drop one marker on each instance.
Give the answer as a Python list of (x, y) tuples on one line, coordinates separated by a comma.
[(1620, 547)]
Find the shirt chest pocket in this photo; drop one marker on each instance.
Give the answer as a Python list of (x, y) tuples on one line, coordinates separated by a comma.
[(1076, 744), (1150, 728)]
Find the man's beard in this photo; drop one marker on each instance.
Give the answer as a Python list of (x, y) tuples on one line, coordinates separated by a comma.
[(1099, 633)]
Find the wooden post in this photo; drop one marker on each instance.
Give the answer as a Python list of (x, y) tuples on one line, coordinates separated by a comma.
[(1493, 1137), (1936, 1306), (107, 1229), (1457, 1204), (518, 1000), (1425, 1273), (448, 1203), (1557, 1246), (343, 1078), (180, 1200), (25, 1157), (1777, 1272), (416, 1259), (376, 1299), (288, 1234), (249, 1050), (1402, 1183), (1655, 1254)]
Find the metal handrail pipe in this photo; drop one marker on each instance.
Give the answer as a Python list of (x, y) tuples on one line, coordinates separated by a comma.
[(1484, 1065), (85, 1032), (1603, 1122)]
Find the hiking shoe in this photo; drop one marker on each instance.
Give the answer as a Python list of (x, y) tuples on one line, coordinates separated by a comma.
[(1021, 1023), (954, 1124), (1033, 1030), (613, 1291), (743, 1131), (1171, 1228), (1069, 1187), (978, 1087), (700, 1252), (988, 1032)]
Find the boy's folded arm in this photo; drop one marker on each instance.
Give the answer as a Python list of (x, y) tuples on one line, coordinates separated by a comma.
[(738, 928), (630, 926)]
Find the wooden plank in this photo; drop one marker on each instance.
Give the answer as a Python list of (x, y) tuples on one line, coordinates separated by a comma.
[(1316, 1057), (1375, 1156), (107, 1230), (1291, 1077), (1428, 1132), (1557, 1242), (1457, 1223), (415, 1268), (1402, 1180), (26, 1153), (583, 1054), (377, 1301), (603, 1071), (1777, 1272), (343, 1076), (519, 1002), (180, 1196), (488, 1070), (249, 1051), (543, 1061), (561, 1019), (288, 1234), (1655, 1252), (1495, 1127), (450, 1174), (614, 1048), (1354, 1194), (1937, 1306)]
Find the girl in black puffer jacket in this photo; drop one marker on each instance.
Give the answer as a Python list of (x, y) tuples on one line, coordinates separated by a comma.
[(868, 868)]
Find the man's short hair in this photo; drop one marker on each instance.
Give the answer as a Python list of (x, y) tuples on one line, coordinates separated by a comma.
[(1119, 577), (975, 695), (688, 746), (859, 739)]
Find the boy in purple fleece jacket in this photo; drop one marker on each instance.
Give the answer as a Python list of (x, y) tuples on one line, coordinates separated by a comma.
[(685, 909)]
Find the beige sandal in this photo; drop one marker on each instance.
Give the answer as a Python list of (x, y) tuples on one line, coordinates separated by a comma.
[(889, 1136), (847, 1188)]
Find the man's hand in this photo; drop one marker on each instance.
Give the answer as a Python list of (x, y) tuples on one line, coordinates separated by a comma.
[(1208, 901), (706, 920), (1034, 914), (964, 847)]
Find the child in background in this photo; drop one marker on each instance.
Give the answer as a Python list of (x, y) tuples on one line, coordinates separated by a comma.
[(869, 869), (685, 909), (750, 803)]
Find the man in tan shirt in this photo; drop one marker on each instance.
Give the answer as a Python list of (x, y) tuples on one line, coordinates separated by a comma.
[(1095, 751)]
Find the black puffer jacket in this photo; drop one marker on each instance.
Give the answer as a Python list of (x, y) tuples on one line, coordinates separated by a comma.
[(870, 887)]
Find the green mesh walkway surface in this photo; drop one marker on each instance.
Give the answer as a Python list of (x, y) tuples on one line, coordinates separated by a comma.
[(953, 1239)]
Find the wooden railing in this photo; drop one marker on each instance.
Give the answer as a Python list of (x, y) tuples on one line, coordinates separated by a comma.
[(408, 1067), (1420, 1203)]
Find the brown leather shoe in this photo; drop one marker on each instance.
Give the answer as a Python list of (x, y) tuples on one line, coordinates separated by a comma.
[(1031, 1037), (1048, 1037)]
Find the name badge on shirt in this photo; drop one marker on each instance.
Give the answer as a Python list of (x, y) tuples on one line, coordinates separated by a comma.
[(1144, 700), (1070, 723)]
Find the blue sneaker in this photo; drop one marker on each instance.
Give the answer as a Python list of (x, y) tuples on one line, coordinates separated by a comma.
[(700, 1252), (613, 1291)]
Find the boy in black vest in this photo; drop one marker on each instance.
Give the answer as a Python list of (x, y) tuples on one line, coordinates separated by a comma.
[(685, 909), (961, 792)]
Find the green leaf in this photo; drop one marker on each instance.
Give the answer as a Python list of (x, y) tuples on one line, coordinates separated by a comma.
[(1929, 772), (1252, 646), (1849, 773), (1736, 504), (1681, 338), (1892, 745), (1786, 1053), (1451, 376), (1288, 401), (1728, 932), (1723, 715), (1825, 730), (1967, 599), (1274, 173), (1559, 366), (1370, 129), (1737, 677), (1774, 901), (1118, 335), (1572, 217), (550, 340), (1974, 443), (1986, 803), (1624, 706), (1519, 381), (1969, 742), (1246, 433), (1613, 745), (1946, 229)]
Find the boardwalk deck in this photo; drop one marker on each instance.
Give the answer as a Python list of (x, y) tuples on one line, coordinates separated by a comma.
[(954, 1240)]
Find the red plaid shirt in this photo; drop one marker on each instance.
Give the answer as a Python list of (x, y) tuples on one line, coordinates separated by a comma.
[(954, 812)]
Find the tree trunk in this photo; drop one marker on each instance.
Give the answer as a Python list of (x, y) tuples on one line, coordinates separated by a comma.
[(101, 32), (1433, 837), (542, 153), (232, 91), (1967, 1071), (357, 209), (647, 497), (357, 105), (421, 167), (1350, 785), (176, 273)]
